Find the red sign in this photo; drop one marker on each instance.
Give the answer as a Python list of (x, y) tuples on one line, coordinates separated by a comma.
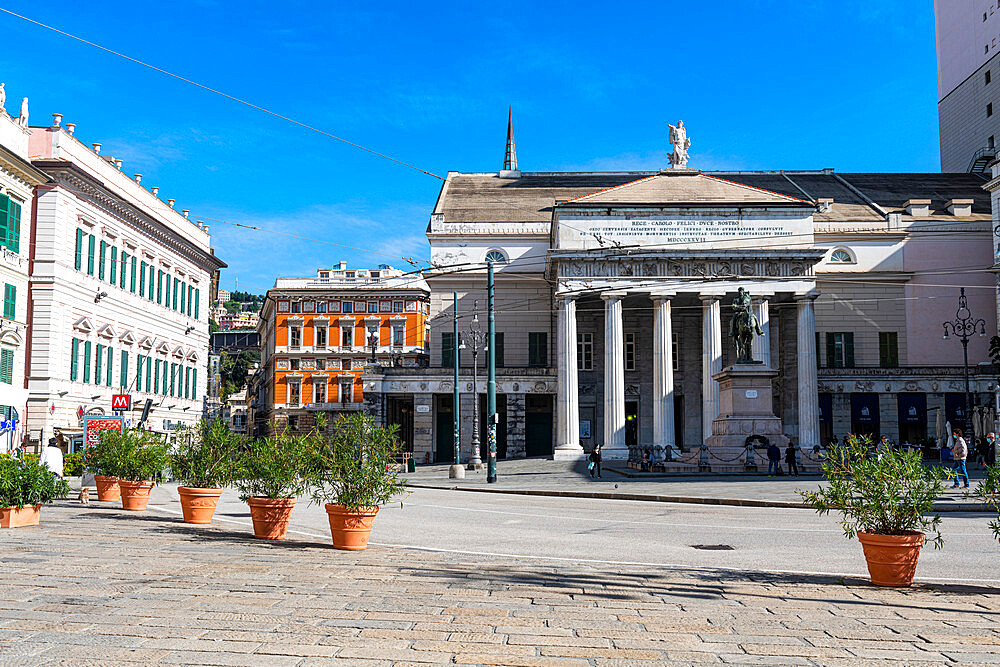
[(94, 426), (121, 402)]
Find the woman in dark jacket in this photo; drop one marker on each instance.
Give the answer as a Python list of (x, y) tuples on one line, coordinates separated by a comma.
[(595, 458)]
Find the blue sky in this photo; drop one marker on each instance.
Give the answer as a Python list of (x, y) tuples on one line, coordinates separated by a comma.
[(794, 84)]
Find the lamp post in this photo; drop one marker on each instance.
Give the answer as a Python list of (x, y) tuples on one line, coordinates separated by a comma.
[(491, 380), (373, 344), (455, 470), (477, 341), (964, 326)]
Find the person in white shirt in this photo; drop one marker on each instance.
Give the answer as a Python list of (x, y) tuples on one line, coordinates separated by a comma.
[(960, 451), (52, 458)]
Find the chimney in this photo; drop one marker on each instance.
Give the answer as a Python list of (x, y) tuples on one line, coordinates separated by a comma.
[(199, 223), (960, 208), (155, 190), (918, 208), (185, 212), (71, 127), (56, 119), (342, 265), (97, 148), (138, 178), (118, 163), (170, 203), (205, 228), (825, 203)]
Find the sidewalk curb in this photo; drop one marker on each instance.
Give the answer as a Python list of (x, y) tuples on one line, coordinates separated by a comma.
[(690, 500)]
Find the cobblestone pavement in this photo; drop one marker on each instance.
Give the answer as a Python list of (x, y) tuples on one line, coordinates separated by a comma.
[(96, 585)]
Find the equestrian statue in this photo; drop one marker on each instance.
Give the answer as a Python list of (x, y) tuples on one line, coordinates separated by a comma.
[(743, 326)]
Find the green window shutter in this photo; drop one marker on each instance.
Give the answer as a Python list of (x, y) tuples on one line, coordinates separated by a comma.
[(159, 287), (538, 352), (132, 281), (194, 383), (4, 220), (86, 362), (111, 363), (74, 360), (849, 349), (14, 226), (173, 379), (91, 247), (138, 372), (100, 260), (78, 262), (114, 266), (97, 364), (177, 283), (166, 291), (190, 300), (164, 387), (7, 366), (156, 382), (187, 382), (123, 379), (149, 374), (121, 282), (197, 302), (152, 278), (10, 301), (183, 290), (831, 352), (142, 280)]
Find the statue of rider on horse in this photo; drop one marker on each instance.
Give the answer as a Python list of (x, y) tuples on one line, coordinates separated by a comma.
[(743, 326)]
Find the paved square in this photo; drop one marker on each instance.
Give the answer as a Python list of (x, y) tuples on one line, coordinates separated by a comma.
[(96, 585)]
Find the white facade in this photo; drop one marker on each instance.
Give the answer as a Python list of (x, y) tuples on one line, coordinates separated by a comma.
[(93, 329), (17, 180)]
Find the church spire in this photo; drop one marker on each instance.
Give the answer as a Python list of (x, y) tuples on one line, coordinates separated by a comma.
[(510, 156)]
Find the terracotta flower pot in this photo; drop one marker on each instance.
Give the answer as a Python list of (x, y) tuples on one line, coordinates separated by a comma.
[(107, 488), (350, 530), (12, 517), (135, 495), (892, 559), (270, 517), (198, 505)]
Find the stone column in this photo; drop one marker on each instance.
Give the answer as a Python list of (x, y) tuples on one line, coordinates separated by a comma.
[(762, 344), (711, 354), (663, 377), (614, 378), (808, 380), (568, 395)]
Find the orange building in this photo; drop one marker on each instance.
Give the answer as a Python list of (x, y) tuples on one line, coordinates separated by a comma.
[(317, 335)]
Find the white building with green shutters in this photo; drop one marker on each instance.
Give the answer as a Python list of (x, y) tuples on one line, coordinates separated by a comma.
[(18, 179), (119, 293)]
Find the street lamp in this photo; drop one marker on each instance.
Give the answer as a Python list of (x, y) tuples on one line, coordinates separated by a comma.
[(477, 341), (373, 344), (964, 326)]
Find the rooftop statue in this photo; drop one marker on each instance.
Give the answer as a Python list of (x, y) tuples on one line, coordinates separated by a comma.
[(743, 326), (679, 138), (3, 98), (23, 118)]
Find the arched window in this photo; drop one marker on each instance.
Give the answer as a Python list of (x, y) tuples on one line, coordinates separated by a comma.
[(496, 256), (842, 256)]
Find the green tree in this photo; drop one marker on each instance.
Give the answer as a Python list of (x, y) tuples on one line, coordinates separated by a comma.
[(231, 307), (234, 370), (213, 326)]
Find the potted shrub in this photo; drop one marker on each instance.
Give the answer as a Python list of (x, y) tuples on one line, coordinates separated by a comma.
[(885, 500), (137, 458), (987, 491), (204, 463), (354, 474), (96, 460), (26, 484), (270, 473)]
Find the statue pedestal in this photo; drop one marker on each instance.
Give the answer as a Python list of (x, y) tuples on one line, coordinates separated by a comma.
[(745, 409)]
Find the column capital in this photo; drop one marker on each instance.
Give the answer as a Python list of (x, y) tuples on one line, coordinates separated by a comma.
[(566, 297), (614, 295), (708, 297), (811, 295), (662, 295)]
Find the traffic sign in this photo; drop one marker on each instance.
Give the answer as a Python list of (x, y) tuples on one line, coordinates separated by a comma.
[(121, 402)]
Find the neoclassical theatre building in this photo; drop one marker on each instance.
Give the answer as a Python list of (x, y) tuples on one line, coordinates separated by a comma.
[(614, 296)]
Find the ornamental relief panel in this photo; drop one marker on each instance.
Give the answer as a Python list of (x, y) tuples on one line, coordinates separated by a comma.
[(600, 268)]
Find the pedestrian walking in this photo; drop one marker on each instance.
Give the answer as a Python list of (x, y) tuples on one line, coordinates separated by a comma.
[(595, 462), (960, 452), (773, 460), (793, 467), (991, 448)]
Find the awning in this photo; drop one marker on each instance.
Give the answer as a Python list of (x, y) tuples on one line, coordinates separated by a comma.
[(912, 408), (864, 408), (826, 408)]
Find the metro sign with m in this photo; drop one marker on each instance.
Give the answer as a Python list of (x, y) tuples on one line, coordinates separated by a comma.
[(121, 402)]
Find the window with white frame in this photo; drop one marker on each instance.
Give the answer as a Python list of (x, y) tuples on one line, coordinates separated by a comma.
[(294, 337), (347, 307), (319, 392), (321, 307), (320, 337), (398, 335), (296, 364), (373, 306), (585, 351), (397, 306), (346, 391), (630, 351), (294, 392), (321, 364), (346, 336), (842, 256), (296, 306)]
